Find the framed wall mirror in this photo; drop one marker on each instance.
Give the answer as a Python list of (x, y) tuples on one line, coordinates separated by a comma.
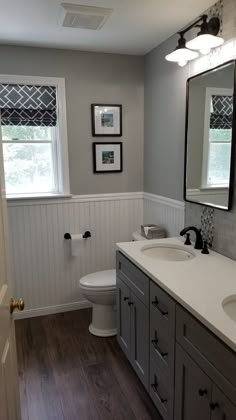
[(210, 137)]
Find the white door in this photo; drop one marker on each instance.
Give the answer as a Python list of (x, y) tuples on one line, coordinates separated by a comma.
[(9, 396)]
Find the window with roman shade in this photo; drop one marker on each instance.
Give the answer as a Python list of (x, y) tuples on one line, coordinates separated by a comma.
[(221, 112), (28, 105), (34, 138), (217, 137)]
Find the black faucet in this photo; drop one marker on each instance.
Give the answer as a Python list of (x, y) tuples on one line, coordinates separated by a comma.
[(198, 243)]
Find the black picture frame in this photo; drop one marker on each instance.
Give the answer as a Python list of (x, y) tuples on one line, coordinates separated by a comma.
[(98, 130), (233, 143), (101, 157)]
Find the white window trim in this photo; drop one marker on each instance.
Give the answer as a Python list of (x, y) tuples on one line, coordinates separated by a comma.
[(62, 145), (209, 92)]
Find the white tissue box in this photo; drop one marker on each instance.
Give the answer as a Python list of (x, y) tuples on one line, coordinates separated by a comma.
[(151, 231)]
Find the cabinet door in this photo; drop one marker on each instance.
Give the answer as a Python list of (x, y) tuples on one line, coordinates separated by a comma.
[(123, 316), (192, 389), (221, 407), (140, 339)]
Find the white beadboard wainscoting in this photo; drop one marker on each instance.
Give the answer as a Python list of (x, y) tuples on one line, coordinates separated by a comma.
[(164, 211), (44, 272)]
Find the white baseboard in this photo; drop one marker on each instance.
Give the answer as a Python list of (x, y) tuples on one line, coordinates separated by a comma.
[(30, 313)]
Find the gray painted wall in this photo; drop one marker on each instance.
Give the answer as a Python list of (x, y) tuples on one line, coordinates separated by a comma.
[(91, 77), (165, 91), (164, 105)]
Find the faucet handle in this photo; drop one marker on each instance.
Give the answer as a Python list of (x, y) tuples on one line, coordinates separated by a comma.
[(187, 241), (205, 248)]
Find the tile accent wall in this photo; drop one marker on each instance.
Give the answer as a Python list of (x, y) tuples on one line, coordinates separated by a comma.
[(225, 228)]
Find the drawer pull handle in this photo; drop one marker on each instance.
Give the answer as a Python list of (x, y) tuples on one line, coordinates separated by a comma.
[(202, 392), (130, 303), (162, 353), (154, 387), (126, 298), (155, 303), (213, 406)]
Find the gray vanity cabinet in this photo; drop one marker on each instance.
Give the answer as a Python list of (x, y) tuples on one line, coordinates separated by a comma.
[(192, 389), (205, 373), (139, 339), (123, 314), (162, 350), (196, 396), (221, 407), (190, 374), (133, 316)]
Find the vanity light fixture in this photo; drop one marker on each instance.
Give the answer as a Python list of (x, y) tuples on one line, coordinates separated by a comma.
[(181, 54), (205, 40), (207, 37)]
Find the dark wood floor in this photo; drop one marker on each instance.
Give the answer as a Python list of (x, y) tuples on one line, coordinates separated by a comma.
[(65, 373)]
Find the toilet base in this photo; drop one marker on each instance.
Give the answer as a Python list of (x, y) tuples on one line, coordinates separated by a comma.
[(102, 333), (103, 321)]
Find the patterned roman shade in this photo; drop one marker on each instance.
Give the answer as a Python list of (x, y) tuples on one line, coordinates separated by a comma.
[(222, 114), (28, 105)]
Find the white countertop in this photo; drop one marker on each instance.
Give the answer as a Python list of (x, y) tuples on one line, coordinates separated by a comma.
[(199, 284)]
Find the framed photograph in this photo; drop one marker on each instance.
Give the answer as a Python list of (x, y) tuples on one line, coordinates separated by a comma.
[(106, 120), (107, 157)]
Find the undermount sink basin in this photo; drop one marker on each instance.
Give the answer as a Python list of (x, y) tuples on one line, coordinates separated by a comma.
[(166, 252), (229, 306)]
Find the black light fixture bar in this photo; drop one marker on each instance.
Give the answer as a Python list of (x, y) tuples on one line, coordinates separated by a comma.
[(202, 19)]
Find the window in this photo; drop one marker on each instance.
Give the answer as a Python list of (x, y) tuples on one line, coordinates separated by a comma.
[(34, 138), (217, 138)]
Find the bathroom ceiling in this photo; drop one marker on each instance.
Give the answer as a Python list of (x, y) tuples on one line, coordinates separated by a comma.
[(134, 27)]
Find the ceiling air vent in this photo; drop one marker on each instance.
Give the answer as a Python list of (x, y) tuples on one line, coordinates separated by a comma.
[(84, 17)]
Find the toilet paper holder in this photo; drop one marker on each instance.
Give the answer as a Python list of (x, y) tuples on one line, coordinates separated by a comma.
[(86, 235)]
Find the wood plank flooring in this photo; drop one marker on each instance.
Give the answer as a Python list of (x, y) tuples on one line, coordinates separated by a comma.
[(65, 373)]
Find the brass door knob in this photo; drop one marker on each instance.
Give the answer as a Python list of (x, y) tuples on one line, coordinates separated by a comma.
[(16, 304)]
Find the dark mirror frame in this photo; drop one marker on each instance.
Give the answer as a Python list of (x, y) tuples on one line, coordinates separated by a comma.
[(232, 160)]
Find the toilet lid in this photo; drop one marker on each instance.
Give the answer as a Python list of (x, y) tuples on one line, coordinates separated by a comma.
[(100, 279)]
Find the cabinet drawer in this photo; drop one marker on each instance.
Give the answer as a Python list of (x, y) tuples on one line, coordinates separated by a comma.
[(162, 310), (197, 340), (135, 279), (162, 349), (161, 391)]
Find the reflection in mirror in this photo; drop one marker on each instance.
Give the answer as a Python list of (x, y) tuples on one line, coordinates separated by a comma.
[(209, 134)]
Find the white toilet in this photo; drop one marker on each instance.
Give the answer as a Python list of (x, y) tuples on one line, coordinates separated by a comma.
[(100, 289)]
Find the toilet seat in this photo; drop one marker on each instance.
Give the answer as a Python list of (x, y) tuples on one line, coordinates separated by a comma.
[(101, 280)]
